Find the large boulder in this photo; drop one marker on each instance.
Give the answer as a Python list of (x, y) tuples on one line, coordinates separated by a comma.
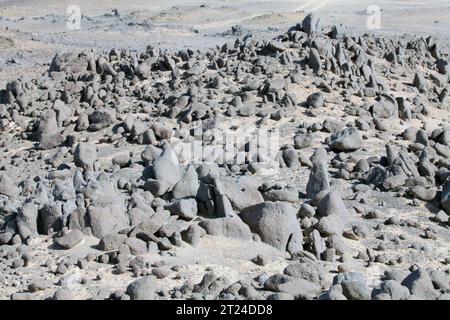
[(310, 23), (85, 155), (185, 208), (332, 204), (26, 220), (384, 109), (69, 62), (188, 184), (276, 223), (356, 290), (146, 229), (7, 185), (50, 218), (231, 227), (142, 288), (47, 132), (420, 82), (100, 119), (241, 194), (349, 139), (70, 239), (315, 100), (107, 219), (420, 285), (318, 179), (166, 168)]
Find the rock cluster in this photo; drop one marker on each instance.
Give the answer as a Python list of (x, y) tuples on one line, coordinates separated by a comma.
[(95, 148)]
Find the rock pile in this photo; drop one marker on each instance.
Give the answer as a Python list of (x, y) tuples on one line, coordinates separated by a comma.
[(95, 148)]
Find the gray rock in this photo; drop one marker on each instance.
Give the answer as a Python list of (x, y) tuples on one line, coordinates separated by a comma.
[(166, 168), (422, 193), (318, 243), (333, 126), (286, 195), (276, 223), (161, 272), (310, 271), (51, 141), (335, 293), (192, 235), (100, 119), (445, 196), (107, 219), (272, 282), (39, 284), (232, 227), (27, 220), (318, 179), (394, 289), (50, 217), (64, 294), (383, 110), (291, 158), (356, 290), (332, 204), (150, 153), (142, 288), (310, 23), (223, 207), (48, 133), (70, 240), (420, 285), (139, 127), (441, 217), (246, 110), (440, 280), (5, 237), (349, 139), (315, 100), (303, 140), (348, 276), (319, 155), (300, 288), (241, 194), (129, 122), (306, 211), (188, 184), (185, 208), (420, 82), (111, 241), (121, 159), (422, 137), (137, 246), (331, 225), (314, 61), (146, 229), (162, 131), (276, 45), (7, 186), (68, 62), (85, 155)]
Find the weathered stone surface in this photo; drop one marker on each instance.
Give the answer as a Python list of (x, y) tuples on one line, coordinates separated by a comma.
[(276, 224)]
